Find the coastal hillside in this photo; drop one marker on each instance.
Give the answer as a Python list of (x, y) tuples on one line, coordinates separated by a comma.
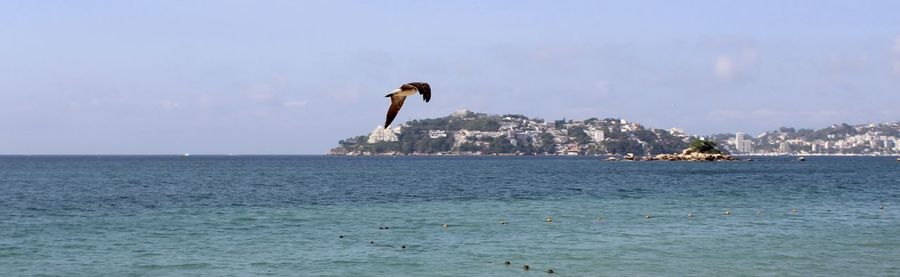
[(469, 133), (838, 139)]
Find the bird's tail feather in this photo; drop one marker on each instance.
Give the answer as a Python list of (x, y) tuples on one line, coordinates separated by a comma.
[(392, 93)]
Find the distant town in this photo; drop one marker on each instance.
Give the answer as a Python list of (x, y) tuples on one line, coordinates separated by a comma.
[(469, 133)]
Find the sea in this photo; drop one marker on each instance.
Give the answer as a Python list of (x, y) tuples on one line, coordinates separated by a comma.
[(447, 216)]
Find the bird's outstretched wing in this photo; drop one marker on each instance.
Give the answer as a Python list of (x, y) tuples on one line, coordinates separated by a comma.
[(423, 88), (396, 104)]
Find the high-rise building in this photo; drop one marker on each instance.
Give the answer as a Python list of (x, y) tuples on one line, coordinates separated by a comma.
[(742, 144)]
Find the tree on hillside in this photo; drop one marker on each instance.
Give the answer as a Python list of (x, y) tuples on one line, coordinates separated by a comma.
[(515, 116), (501, 145), (468, 147), (525, 146), (548, 145), (623, 146), (705, 146), (580, 136), (668, 143), (645, 135), (559, 124)]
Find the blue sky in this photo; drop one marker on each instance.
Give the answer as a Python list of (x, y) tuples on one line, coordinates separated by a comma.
[(293, 77)]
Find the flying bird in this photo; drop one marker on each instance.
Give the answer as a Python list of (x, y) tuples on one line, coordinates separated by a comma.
[(399, 95)]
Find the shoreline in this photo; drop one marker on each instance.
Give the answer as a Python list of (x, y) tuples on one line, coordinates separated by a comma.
[(414, 155), (610, 155)]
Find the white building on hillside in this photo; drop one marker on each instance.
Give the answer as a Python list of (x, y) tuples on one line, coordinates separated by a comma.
[(597, 135), (381, 134), (460, 113), (437, 134), (742, 144)]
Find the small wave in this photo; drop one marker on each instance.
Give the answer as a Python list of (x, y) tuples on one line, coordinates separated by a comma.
[(176, 266), (245, 219)]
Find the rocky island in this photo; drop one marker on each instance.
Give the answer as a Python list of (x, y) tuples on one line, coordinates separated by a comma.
[(700, 150)]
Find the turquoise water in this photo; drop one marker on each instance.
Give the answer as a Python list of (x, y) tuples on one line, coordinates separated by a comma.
[(316, 216)]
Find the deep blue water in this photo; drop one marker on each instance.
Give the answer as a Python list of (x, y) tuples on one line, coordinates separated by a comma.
[(285, 215)]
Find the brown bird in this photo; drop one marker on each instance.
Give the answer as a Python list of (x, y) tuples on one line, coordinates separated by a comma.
[(399, 95)]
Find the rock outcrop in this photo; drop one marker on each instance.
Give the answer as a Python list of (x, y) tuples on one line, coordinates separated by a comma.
[(691, 154)]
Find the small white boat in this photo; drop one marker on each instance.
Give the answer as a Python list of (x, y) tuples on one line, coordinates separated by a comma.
[(612, 159), (801, 159), (186, 155)]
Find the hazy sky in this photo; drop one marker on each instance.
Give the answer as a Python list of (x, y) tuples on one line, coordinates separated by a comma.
[(288, 77)]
